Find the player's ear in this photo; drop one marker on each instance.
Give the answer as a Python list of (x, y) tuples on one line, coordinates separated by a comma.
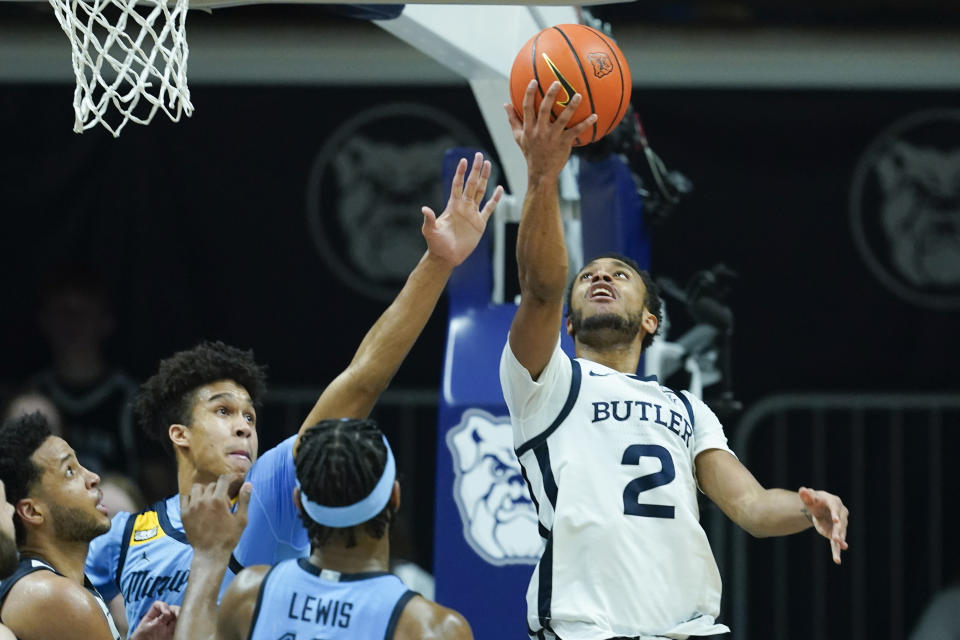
[(179, 435), (649, 322), (570, 326), (395, 497), (30, 511), (296, 499)]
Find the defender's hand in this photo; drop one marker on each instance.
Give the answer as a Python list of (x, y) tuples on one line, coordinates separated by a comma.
[(158, 623), (456, 233)]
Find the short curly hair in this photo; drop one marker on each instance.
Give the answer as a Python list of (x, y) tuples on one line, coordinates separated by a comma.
[(168, 396), (21, 437), (651, 300), (339, 462)]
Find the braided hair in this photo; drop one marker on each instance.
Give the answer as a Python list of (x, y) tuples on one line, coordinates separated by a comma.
[(339, 462), (168, 396)]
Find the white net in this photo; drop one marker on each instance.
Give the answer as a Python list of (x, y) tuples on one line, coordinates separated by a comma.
[(129, 58)]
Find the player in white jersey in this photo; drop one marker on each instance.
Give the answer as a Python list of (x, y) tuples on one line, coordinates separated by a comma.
[(59, 510), (613, 461)]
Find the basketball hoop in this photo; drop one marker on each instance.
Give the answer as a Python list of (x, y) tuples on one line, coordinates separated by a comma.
[(129, 57)]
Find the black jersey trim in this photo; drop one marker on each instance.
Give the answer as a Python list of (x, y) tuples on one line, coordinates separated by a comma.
[(545, 585), (31, 564), (533, 498), (256, 609), (396, 613), (539, 439), (546, 473), (235, 565), (164, 520), (125, 548), (24, 568), (686, 403)]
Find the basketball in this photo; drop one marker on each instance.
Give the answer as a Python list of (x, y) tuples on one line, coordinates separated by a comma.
[(584, 61)]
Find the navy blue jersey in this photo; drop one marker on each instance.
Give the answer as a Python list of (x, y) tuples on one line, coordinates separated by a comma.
[(300, 600), (30, 565)]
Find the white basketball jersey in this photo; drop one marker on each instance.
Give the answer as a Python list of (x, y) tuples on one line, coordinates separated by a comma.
[(609, 460)]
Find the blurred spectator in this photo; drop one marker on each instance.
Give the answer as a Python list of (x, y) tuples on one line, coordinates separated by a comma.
[(120, 493), (32, 401), (75, 315)]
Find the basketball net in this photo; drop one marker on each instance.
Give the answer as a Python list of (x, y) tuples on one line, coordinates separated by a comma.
[(128, 57)]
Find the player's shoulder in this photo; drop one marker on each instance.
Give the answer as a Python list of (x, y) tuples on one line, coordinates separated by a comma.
[(240, 601), (38, 593), (422, 618), (27, 610), (245, 587)]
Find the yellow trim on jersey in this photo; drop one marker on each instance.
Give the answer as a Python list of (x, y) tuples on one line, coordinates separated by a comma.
[(146, 528)]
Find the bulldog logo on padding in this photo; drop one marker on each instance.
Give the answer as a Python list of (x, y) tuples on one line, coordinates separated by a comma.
[(905, 208), (499, 519), (366, 187)]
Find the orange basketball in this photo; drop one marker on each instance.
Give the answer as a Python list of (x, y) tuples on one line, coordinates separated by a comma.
[(585, 61)]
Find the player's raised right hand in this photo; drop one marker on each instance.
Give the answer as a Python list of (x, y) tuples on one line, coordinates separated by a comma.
[(545, 141)]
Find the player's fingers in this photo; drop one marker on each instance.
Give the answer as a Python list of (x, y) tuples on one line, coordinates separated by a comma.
[(473, 180), (485, 171), (429, 219), (546, 105), (491, 204), (844, 519), (581, 127), (835, 549), (222, 487), (529, 97), (456, 187), (153, 612), (243, 500), (196, 490), (512, 116), (571, 107)]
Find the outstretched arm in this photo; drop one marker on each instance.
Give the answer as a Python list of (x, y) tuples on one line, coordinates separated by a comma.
[(451, 237), (770, 512), (541, 251)]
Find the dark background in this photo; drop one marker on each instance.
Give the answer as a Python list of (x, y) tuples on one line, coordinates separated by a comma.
[(202, 226)]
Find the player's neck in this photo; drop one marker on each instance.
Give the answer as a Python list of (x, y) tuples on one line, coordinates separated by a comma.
[(66, 557), (622, 357), (369, 554), (189, 475)]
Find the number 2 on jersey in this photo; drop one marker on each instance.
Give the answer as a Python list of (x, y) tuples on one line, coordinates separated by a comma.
[(635, 487)]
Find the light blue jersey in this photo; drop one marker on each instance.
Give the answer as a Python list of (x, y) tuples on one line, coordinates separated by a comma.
[(146, 556), (300, 600)]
